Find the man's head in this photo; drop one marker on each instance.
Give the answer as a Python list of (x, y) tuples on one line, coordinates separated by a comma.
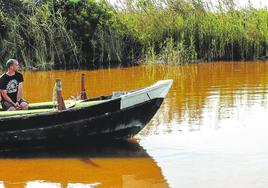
[(12, 64)]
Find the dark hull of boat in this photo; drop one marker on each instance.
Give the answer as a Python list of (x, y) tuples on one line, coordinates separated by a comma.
[(102, 121)]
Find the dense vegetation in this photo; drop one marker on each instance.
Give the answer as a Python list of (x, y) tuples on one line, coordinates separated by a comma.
[(88, 33)]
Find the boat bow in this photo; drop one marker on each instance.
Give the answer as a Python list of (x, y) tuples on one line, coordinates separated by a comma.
[(158, 90)]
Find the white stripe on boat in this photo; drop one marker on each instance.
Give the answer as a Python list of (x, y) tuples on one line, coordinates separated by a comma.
[(157, 90)]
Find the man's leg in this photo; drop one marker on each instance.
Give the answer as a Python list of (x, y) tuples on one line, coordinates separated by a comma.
[(8, 106), (11, 108), (23, 104)]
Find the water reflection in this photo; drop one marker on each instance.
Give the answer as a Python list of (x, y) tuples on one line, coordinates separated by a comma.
[(44, 184), (202, 94), (210, 131), (206, 95), (80, 164)]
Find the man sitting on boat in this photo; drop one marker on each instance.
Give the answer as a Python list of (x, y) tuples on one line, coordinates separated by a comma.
[(11, 87)]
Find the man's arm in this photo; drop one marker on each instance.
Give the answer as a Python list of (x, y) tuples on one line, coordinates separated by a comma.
[(19, 94), (6, 97)]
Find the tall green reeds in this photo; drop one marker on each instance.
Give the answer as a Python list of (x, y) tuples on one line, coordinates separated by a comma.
[(89, 33), (203, 30), (37, 37), (59, 34)]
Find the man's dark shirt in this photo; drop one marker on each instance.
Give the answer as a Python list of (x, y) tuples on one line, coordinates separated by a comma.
[(11, 83)]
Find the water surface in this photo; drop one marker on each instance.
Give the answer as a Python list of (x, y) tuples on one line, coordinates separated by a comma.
[(211, 131)]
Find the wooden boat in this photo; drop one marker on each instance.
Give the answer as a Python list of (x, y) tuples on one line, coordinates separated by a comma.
[(121, 115)]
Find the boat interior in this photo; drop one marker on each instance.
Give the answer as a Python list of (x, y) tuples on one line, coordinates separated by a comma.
[(47, 107), (44, 107)]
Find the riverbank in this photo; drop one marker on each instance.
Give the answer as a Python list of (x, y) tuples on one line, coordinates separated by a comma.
[(92, 34)]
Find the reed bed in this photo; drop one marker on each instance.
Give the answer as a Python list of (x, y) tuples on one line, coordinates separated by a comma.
[(179, 31), (51, 34)]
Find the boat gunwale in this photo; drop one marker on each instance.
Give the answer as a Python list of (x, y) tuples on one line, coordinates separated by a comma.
[(87, 119), (130, 94), (28, 115)]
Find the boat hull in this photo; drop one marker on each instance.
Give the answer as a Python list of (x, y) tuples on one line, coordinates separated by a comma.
[(109, 124), (119, 116)]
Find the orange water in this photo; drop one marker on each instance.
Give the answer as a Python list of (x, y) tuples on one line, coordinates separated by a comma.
[(209, 132)]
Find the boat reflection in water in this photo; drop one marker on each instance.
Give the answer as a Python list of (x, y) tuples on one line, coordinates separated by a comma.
[(211, 131), (82, 164)]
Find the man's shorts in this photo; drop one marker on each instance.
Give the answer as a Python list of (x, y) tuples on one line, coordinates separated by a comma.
[(6, 105)]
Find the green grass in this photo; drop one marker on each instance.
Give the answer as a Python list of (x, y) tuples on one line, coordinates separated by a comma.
[(93, 34), (185, 30)]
